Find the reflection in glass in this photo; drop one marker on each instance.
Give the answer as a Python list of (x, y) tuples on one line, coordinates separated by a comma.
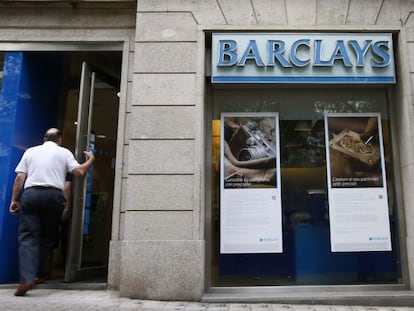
[(306, 257)]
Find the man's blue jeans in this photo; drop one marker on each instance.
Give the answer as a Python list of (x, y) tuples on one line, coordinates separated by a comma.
[(41, 209)]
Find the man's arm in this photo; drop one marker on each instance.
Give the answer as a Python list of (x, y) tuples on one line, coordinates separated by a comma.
[(66, 193), (17, 188), (84, 167)]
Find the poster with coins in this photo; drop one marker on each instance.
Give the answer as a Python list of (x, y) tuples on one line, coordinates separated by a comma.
[(357, 192), (250, 198)]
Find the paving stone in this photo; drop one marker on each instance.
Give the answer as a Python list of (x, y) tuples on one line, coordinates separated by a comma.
[(106, 300)]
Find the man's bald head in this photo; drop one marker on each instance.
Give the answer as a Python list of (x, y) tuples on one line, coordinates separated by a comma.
[(52, 134)]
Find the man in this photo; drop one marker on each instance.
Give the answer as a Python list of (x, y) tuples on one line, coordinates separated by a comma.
[(42, 171)]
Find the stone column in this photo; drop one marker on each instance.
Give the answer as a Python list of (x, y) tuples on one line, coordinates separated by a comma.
[(162, 252)]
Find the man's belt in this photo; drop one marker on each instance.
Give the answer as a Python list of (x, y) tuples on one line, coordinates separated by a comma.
[(44, 188)]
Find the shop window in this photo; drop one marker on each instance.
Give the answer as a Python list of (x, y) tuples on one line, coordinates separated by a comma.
[(307, 257)]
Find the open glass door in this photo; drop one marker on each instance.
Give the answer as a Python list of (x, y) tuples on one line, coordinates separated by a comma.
[(96, 111), (80, 197)]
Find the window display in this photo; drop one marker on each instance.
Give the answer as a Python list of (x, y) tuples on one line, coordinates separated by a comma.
[(358, 200), (306, 256), (250, 207)]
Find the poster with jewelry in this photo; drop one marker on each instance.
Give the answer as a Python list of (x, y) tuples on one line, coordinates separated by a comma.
[(250, 209), (357, 188)]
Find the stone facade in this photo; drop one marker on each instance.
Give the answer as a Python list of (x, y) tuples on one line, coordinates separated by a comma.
[(168, 90), (158, 248)]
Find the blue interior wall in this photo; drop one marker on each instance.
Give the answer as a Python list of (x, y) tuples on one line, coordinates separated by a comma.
[(8, 108), (29, 103)]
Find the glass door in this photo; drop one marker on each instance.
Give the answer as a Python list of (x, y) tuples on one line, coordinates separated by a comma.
[(83, 139), (97, 108)]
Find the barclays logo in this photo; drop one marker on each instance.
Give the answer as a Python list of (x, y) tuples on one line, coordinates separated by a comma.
[(302, 58)]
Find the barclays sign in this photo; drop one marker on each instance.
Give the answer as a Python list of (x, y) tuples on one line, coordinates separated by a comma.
[(302, 58)]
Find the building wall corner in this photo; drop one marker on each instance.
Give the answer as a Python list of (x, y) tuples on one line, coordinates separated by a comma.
[(114, 265), (162, 270)]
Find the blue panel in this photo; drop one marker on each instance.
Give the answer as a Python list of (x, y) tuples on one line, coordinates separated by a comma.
[(315, 263), (87, 216), (261, 265), (8, 155), (39, 98), (28, 106)]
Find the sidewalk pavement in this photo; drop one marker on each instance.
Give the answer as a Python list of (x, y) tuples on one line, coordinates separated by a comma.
[(40, 299)]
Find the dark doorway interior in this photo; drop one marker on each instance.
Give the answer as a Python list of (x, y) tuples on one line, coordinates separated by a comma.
[(52, 101)]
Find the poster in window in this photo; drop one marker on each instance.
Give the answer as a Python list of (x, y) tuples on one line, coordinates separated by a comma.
[(250, 213), (357, 192)]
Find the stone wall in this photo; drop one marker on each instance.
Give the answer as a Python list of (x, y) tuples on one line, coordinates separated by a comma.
[(163, 245), (163, 248)]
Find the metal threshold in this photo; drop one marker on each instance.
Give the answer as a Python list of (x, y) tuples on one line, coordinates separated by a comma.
[(386, 297)]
